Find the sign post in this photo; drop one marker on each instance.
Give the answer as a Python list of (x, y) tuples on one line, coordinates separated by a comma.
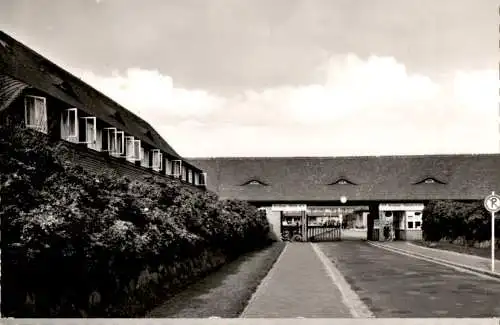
[(492, 204)]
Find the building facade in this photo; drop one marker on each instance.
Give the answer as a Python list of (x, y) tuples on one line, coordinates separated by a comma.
[(37, 94), (393, 190)]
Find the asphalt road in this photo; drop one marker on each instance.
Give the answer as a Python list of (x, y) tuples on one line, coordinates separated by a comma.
[(394, 285)]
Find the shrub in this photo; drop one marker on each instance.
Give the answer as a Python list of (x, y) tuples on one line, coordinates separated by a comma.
[(453, 220), (86, 244)]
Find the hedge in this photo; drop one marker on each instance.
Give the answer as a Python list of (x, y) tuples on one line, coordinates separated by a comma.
[(78, 244), (468, 222)]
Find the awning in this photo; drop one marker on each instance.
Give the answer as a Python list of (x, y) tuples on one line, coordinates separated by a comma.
[(10, 89)]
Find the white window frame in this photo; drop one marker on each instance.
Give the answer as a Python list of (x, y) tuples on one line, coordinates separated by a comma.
[(168, 166), (66, 118), (174, 171), (122, 142), (41, 126), (159, 158), (93, 140), (196, 178), (184, 173), (137, 150), (111, 138), (129, 140), (135, 155), (145, 154), (190, 176)]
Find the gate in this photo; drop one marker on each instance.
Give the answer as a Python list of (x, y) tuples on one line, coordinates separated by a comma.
[(326, 229), (302, 227)]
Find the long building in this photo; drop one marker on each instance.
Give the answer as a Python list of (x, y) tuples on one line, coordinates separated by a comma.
[(394, 189), (310, 191), (38, 94)]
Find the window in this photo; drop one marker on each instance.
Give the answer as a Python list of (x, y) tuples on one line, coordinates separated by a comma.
[(133, 149), (176, 168), (196, 177), (145, 158), (168, 167), (120, 143), (137, 150), (109, 140), (92, 135), (157, 160), (115, 141), (418, 224), (410, 224), (184, 173), (190, 176), (418, 213), (69, 125), (203, 179), (35, 113)]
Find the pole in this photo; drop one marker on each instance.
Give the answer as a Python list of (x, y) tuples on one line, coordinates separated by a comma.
[(492, 241)]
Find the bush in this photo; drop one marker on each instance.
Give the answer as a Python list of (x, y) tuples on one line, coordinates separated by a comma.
[(83, 244), (452, 221)]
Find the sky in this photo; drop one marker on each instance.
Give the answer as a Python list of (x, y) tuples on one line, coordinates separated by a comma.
[(284, 77)]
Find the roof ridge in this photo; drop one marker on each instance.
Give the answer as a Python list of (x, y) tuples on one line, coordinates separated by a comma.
[(344, 157), (136, 119)]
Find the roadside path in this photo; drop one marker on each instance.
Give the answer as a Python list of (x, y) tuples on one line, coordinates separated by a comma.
[(302, 285)]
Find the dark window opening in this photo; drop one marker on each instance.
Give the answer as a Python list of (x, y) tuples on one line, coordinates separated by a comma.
[(410, 224)]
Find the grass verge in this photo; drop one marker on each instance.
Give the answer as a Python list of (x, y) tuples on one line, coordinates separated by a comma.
[(481, 252), (224, 293)]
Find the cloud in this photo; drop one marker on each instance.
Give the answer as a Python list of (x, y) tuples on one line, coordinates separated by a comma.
[(363, 106), (153, 95)]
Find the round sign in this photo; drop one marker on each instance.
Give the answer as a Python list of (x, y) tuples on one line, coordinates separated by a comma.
[(492, 202), (343, 199)]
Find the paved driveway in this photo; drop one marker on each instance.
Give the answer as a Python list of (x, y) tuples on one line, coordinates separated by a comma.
[(394, 285)]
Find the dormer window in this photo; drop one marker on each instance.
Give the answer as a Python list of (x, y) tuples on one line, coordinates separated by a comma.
[(342, 181), (430, 180), (254, 182)]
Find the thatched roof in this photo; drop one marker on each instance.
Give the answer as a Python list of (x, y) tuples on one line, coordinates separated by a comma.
[(384, 178)]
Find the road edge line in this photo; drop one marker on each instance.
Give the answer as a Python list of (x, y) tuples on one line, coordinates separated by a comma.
[(264, 282), (467, 267), (350, 298), (455, 266)]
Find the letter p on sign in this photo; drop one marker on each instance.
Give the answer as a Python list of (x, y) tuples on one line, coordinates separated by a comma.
[(492, 202)]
